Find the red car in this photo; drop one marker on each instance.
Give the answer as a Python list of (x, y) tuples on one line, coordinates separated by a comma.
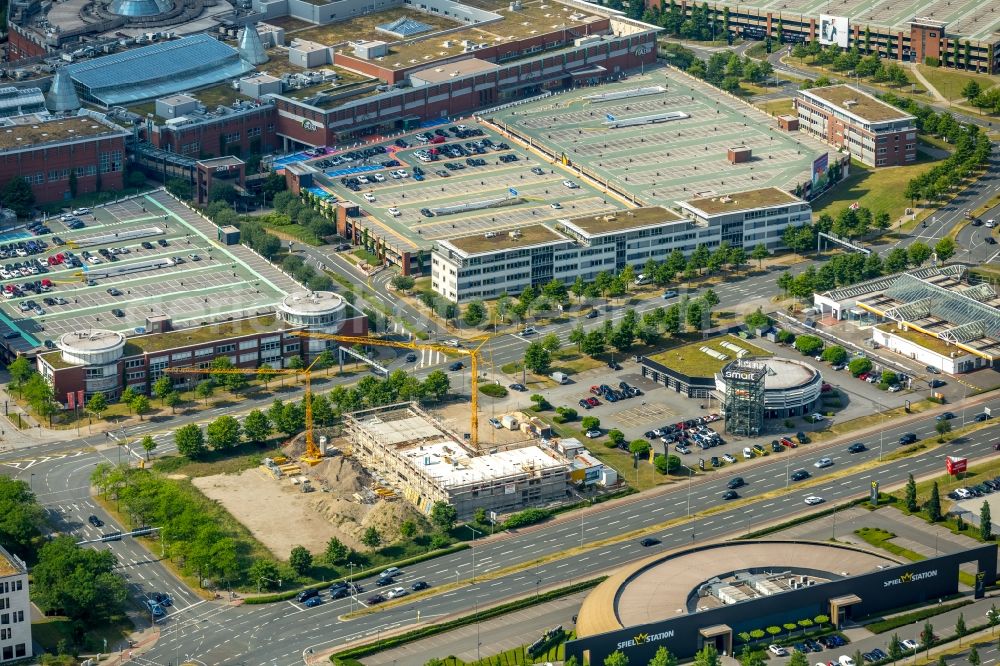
[(593, 402), (788, 443), (863, 376), (437, 139), (595, 390)]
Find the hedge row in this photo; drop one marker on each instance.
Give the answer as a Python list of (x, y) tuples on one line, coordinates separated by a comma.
[(350, 656), (284, 596), (898, 621)]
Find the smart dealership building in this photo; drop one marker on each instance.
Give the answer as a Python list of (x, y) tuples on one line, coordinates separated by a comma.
[(707, 595)]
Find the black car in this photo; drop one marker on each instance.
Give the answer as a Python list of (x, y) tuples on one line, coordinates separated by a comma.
[(118, 312), (947, 416), (162, 242), (730, 495), (339, 593), (382, 581), (374, 599), (457, 365), (411, 357), (649, 541), (419, 585), (95, 521), (776, 446), (518, 387), (856, 447), (802, 437), (736, 482), (306, 594), (908, 438), (147, 245), (982, 416), (114, 292), (591, 315), (799, 475), (936, 383)]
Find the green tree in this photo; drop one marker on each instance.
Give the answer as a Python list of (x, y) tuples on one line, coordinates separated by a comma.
[(475, 313), (22, 519), (443, 516), (639, 447), (809, 345), (985, 522), (971, 90), (663, 658), (537, 358), (336, 552), (759, 254), (945, 249), (436, 385), (859, 366), (80, 582), (708, 656), (911, 495), (18, 196), (371, 539), (408, 528), (615, 437), (895, 647), (551, 343), (140, 405), (204, 390), (616, 658), (756, 320), (918, 253), (696, 316), (97, 405), (171, 400), (128, 395), (942, 427), (798, 659), (593, 343), (161, 387), (403, 282), (264, 573), (590, 423), (974, 656), (20, 370), (257, 427), (960, 629), (933, 505), (834, 354), (223, 433), (265, 373), (300, 560), (190, 441), (148, 445)]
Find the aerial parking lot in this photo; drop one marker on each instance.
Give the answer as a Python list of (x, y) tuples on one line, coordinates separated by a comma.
[(114, 266), (452, 181), (669, 160)]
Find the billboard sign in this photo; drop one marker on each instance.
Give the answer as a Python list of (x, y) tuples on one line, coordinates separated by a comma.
[(956, 465), (820, 171), (833, 30)]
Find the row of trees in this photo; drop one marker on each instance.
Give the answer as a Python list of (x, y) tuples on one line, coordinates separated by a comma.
[(933, 506), (288, 418), (972, 152), (847, 269), (726, 70), (870, 66), (984, 100), (306, 211)]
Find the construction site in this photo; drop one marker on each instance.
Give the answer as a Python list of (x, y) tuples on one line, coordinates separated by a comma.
[(409, 450)]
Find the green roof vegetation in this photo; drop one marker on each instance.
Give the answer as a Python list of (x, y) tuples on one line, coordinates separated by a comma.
[(936, 345), (55, 359), (201, 334), (693, 362)]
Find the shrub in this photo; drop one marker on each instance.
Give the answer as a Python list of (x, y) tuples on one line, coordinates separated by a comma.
[(525, 518), (590, 422), (493, 390), (785, 337)]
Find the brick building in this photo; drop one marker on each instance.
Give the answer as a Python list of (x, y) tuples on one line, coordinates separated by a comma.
[(872, 131), (46, 151), (248, 129), (104, 361)]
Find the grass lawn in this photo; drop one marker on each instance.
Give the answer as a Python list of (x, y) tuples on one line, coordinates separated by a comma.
[(949, 82), (777, 107), (366, 256), (516, 656), (51, 630), (876, 189), (215, 462), (880, 538), (693, 362)]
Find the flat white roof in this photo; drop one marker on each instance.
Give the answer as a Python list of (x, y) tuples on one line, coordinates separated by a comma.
[(451, 465)]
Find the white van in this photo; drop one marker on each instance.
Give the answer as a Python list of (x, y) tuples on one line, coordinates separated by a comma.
[(642, 279), (560, 377)]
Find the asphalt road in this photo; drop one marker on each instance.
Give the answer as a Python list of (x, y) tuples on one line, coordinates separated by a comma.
[(214, 633)]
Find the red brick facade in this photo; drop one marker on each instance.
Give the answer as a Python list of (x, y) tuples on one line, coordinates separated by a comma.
[(99, 163), (242, 134), (879, 148)]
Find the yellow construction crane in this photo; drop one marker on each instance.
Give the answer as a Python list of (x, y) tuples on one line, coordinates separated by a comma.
[(313, 455), (473, 355)]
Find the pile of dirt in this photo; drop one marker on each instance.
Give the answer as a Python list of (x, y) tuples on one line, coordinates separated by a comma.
[(296, 446), (351, 519), (344, 476)]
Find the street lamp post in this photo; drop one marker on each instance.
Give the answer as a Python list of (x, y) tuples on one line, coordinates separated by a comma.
[(475, 533)]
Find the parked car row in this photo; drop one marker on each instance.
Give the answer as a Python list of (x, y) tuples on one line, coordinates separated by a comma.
[(984, 488), (623, 392), (22, 248)]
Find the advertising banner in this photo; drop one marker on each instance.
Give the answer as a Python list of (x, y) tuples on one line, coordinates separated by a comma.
[(956, 465), (820, 169), (833, 30)]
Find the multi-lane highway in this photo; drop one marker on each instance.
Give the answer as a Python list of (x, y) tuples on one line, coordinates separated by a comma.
[(217, 633)]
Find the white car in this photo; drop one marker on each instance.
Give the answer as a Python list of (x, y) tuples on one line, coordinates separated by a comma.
[(910, 644), (812, 500), (777, 650), (403, 173), (894, 388), (555, 206), (747, 453), (570, 184), (823, 462), (94, 260), (379, 178), (844, 660), (369, 197), (396, 593), (363, 180), (990, 224), (729, 458), (817, 418), (81, 211), (391, 571), (593, 434), (394, 212)]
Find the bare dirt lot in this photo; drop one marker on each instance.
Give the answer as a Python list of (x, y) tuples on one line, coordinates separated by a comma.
[(281, 516), (455, 416)]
